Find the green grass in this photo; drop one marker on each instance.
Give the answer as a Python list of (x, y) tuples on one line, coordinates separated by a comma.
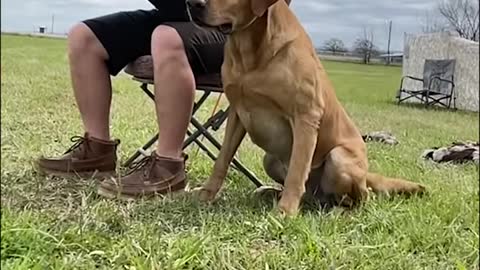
[(62, 224)]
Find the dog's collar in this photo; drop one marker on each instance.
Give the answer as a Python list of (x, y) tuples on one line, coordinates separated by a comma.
[(247, 25)]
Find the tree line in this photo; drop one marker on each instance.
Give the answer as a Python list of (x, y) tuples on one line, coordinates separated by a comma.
[(460, 16), (364, 46)]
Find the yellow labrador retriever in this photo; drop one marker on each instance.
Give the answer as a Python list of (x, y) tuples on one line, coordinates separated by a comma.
[(281, 96)]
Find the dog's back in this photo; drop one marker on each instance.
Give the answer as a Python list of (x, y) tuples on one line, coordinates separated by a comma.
[(336, 127)]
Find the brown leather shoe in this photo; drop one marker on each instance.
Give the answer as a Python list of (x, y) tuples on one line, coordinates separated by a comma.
[(88, 157), (153, 175)]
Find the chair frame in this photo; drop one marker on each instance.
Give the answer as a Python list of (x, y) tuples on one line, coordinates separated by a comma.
[(214, 123), (427, 96)]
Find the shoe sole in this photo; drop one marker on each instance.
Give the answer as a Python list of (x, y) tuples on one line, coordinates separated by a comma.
[(124, 197), (86, 175)]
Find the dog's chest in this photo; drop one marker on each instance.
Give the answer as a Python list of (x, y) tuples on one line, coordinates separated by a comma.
[(265, 125)]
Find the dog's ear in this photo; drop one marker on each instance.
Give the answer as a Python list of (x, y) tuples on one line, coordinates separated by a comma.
[(259, 7)]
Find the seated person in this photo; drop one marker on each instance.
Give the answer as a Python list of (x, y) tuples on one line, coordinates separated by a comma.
[(103, 46)]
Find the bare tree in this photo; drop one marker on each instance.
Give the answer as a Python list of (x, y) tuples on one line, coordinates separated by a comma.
[(462, 16), (365, 46), (334, 45), (432, 23)]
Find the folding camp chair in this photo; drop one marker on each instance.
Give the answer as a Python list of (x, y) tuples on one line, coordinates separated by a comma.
[(438, 85), (141, 70)]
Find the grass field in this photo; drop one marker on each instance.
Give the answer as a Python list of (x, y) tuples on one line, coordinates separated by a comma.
[(62, 224)]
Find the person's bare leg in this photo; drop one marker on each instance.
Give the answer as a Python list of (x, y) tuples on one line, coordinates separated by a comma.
[(90, 80), (92, 89), (174, 90)]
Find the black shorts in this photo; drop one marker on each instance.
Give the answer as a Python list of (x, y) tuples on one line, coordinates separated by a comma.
[(127, 36)]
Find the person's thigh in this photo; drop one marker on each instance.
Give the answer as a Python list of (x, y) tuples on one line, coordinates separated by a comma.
[(204, 47), (125, 35)]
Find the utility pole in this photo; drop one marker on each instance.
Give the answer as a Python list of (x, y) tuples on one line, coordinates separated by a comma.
[(53, 22), (389, 39)]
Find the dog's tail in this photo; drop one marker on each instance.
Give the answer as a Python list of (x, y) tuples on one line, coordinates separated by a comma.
[(381, 184)]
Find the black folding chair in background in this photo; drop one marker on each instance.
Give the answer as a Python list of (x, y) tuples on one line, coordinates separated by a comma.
[(438, 84), (141, 70)]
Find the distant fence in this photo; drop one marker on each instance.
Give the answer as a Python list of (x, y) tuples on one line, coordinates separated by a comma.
[(353, 58), (341, 57), (35, 34)]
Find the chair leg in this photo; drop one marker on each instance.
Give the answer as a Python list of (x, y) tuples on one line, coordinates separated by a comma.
[(144, 148), (239, 166), (411, 96), (440, 101), (209, 124), (204, 148), (140, 151), (214, 122), (144, 87)]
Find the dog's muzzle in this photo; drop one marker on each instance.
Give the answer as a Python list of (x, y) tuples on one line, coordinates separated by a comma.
[(197, 10)]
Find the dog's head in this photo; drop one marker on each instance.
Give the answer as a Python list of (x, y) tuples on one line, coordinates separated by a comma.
[(228, 15)]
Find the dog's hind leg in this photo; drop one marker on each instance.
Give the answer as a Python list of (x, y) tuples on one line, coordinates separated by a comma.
[(344, 178)]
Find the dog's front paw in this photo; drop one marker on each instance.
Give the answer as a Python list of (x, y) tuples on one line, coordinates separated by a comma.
[(204, 195), (288, 206)]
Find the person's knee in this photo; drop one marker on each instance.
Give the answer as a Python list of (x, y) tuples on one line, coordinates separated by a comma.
[(167, 46), (82, 41)]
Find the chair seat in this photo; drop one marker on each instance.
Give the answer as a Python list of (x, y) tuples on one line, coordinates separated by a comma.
[(423, 92), (142, 70)]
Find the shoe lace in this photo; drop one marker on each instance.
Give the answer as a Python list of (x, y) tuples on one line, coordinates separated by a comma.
[(145, 164), (78, 142)]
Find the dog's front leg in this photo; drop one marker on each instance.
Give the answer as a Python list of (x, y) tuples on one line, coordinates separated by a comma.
[(234, 134), (304, 144)]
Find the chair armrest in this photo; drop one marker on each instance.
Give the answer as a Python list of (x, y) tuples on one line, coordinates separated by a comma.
[(408, 77), (440, 79), (413, 78)]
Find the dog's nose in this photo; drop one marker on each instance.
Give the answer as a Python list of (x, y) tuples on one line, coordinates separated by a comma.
[(196, 3)]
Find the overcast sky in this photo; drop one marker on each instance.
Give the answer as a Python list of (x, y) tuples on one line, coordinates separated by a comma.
[(323, 19)]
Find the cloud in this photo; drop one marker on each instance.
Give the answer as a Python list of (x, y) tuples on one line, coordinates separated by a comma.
[(323, 19), (314, 6)]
